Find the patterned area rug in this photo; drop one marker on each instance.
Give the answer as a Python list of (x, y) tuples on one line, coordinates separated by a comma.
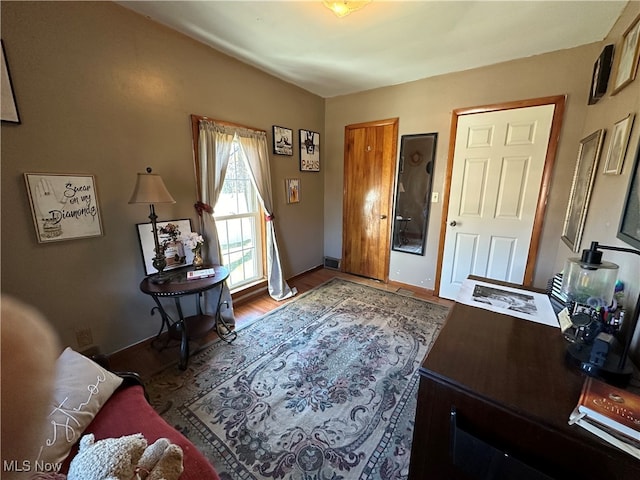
[(322, 388)]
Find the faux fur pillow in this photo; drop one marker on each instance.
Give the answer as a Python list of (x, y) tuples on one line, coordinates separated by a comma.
[(81, 388)]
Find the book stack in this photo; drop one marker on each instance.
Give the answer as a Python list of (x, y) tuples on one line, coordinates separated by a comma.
[(611, 413), (558, 299), (197, 274)]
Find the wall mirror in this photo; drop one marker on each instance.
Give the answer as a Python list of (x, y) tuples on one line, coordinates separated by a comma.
[(413, 192)]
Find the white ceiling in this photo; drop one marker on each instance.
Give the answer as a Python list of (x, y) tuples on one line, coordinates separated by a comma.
[(385, 43)]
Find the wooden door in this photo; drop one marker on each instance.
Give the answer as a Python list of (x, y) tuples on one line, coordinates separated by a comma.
[(369, 172), (500, 162)]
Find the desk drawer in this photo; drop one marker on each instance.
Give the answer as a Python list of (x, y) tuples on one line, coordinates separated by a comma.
[(481, 460)]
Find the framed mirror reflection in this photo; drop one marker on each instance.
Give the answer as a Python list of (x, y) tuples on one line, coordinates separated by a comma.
[(413, 192)]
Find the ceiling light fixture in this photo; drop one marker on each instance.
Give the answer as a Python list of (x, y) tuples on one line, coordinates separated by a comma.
[(344, 8)]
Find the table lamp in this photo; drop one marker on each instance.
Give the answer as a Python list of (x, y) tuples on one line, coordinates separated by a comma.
[(590, 277), (150, 189)]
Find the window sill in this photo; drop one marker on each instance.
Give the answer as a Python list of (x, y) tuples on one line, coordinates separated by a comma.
[(246, 292)]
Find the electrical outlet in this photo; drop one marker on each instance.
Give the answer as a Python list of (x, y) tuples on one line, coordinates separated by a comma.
[(84, 337), (435, 196)]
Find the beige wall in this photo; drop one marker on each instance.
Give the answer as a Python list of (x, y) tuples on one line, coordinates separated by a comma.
[(426, 106), (105, 91), (609, 191)]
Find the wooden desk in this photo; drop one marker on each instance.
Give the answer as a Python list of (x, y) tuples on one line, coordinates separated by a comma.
[(510, 391)]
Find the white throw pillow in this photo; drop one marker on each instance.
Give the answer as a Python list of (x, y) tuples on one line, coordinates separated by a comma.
[(81, 388)]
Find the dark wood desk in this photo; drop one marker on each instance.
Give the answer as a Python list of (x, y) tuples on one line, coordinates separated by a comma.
[(193, 326), (494, 399)]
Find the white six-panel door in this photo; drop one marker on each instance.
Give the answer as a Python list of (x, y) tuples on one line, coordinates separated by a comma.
[(497, 172)]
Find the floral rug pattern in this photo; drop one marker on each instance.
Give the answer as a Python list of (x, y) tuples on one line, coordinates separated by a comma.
[(322, 388)]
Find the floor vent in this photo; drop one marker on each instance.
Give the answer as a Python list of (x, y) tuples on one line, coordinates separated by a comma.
[(332, 263)]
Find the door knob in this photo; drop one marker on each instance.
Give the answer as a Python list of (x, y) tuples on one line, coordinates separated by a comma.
[(382, 217), (453, 223)]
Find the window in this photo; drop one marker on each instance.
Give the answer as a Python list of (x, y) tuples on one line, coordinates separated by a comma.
[(239, 222)]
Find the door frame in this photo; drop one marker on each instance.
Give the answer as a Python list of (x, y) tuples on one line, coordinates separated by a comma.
[(554, 136), (394, 122)]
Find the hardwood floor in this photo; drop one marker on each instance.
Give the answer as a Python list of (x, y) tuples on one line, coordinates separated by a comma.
[(146, 360)]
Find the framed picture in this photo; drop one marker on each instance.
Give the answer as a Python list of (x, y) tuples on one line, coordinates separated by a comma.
[(292, 186), (628, 58), (8, 107), (63, 206), (282, 141), (169, 234), (583, 178), (601, 73), (618, 146), (309, 151), (629, 229)]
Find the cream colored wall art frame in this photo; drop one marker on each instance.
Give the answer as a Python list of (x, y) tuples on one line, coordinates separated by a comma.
[(618, 147), (628, 57), (63, 206)]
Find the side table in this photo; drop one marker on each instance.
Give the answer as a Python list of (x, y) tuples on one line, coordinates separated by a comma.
[(194, 326)]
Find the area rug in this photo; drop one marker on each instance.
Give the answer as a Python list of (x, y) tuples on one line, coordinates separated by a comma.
[(322, 388)]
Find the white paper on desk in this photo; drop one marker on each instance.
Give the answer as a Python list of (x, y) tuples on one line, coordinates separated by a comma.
[(524, 304)]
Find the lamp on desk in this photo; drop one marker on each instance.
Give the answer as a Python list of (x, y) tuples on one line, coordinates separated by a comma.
[(595, 359), (150, 189)]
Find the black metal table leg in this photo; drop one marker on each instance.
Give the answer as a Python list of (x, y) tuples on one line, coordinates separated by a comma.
[(184, 336)]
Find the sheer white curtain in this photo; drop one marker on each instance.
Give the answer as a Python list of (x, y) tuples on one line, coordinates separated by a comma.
[(215, 142), (214, 148), (255, 149)]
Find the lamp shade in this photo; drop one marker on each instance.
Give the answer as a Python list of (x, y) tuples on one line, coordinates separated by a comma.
[(150, 189)]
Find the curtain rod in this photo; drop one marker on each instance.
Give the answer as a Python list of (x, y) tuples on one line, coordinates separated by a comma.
[(196, 118)]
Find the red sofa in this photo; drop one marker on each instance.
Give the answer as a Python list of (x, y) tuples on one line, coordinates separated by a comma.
[(127, 412)]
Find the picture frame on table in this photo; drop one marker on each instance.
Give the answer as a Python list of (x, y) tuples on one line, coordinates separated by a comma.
[(8, 106), (64, 206), (309, 151), (627, 66), (601, 74), (618, 146), (292, 188), (176, 254), (583, 178), (629, 228), (282, 141)]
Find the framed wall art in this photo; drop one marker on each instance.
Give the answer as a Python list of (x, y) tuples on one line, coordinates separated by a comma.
[(601, 73), (282, 141), (292, 186), (169, 234), (309, 151), (8, 106), (618, 146), (628, 57), (581, 187), (629, 229), (63, 206)]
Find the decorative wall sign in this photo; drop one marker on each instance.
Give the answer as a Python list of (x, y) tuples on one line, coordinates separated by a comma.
[(282, 141), (63, 206), (309, 151), (601, 73), (583, 178), (618, 146), (8, 107), (292, 186), (629, 230), (628, 58), (176, 255)]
